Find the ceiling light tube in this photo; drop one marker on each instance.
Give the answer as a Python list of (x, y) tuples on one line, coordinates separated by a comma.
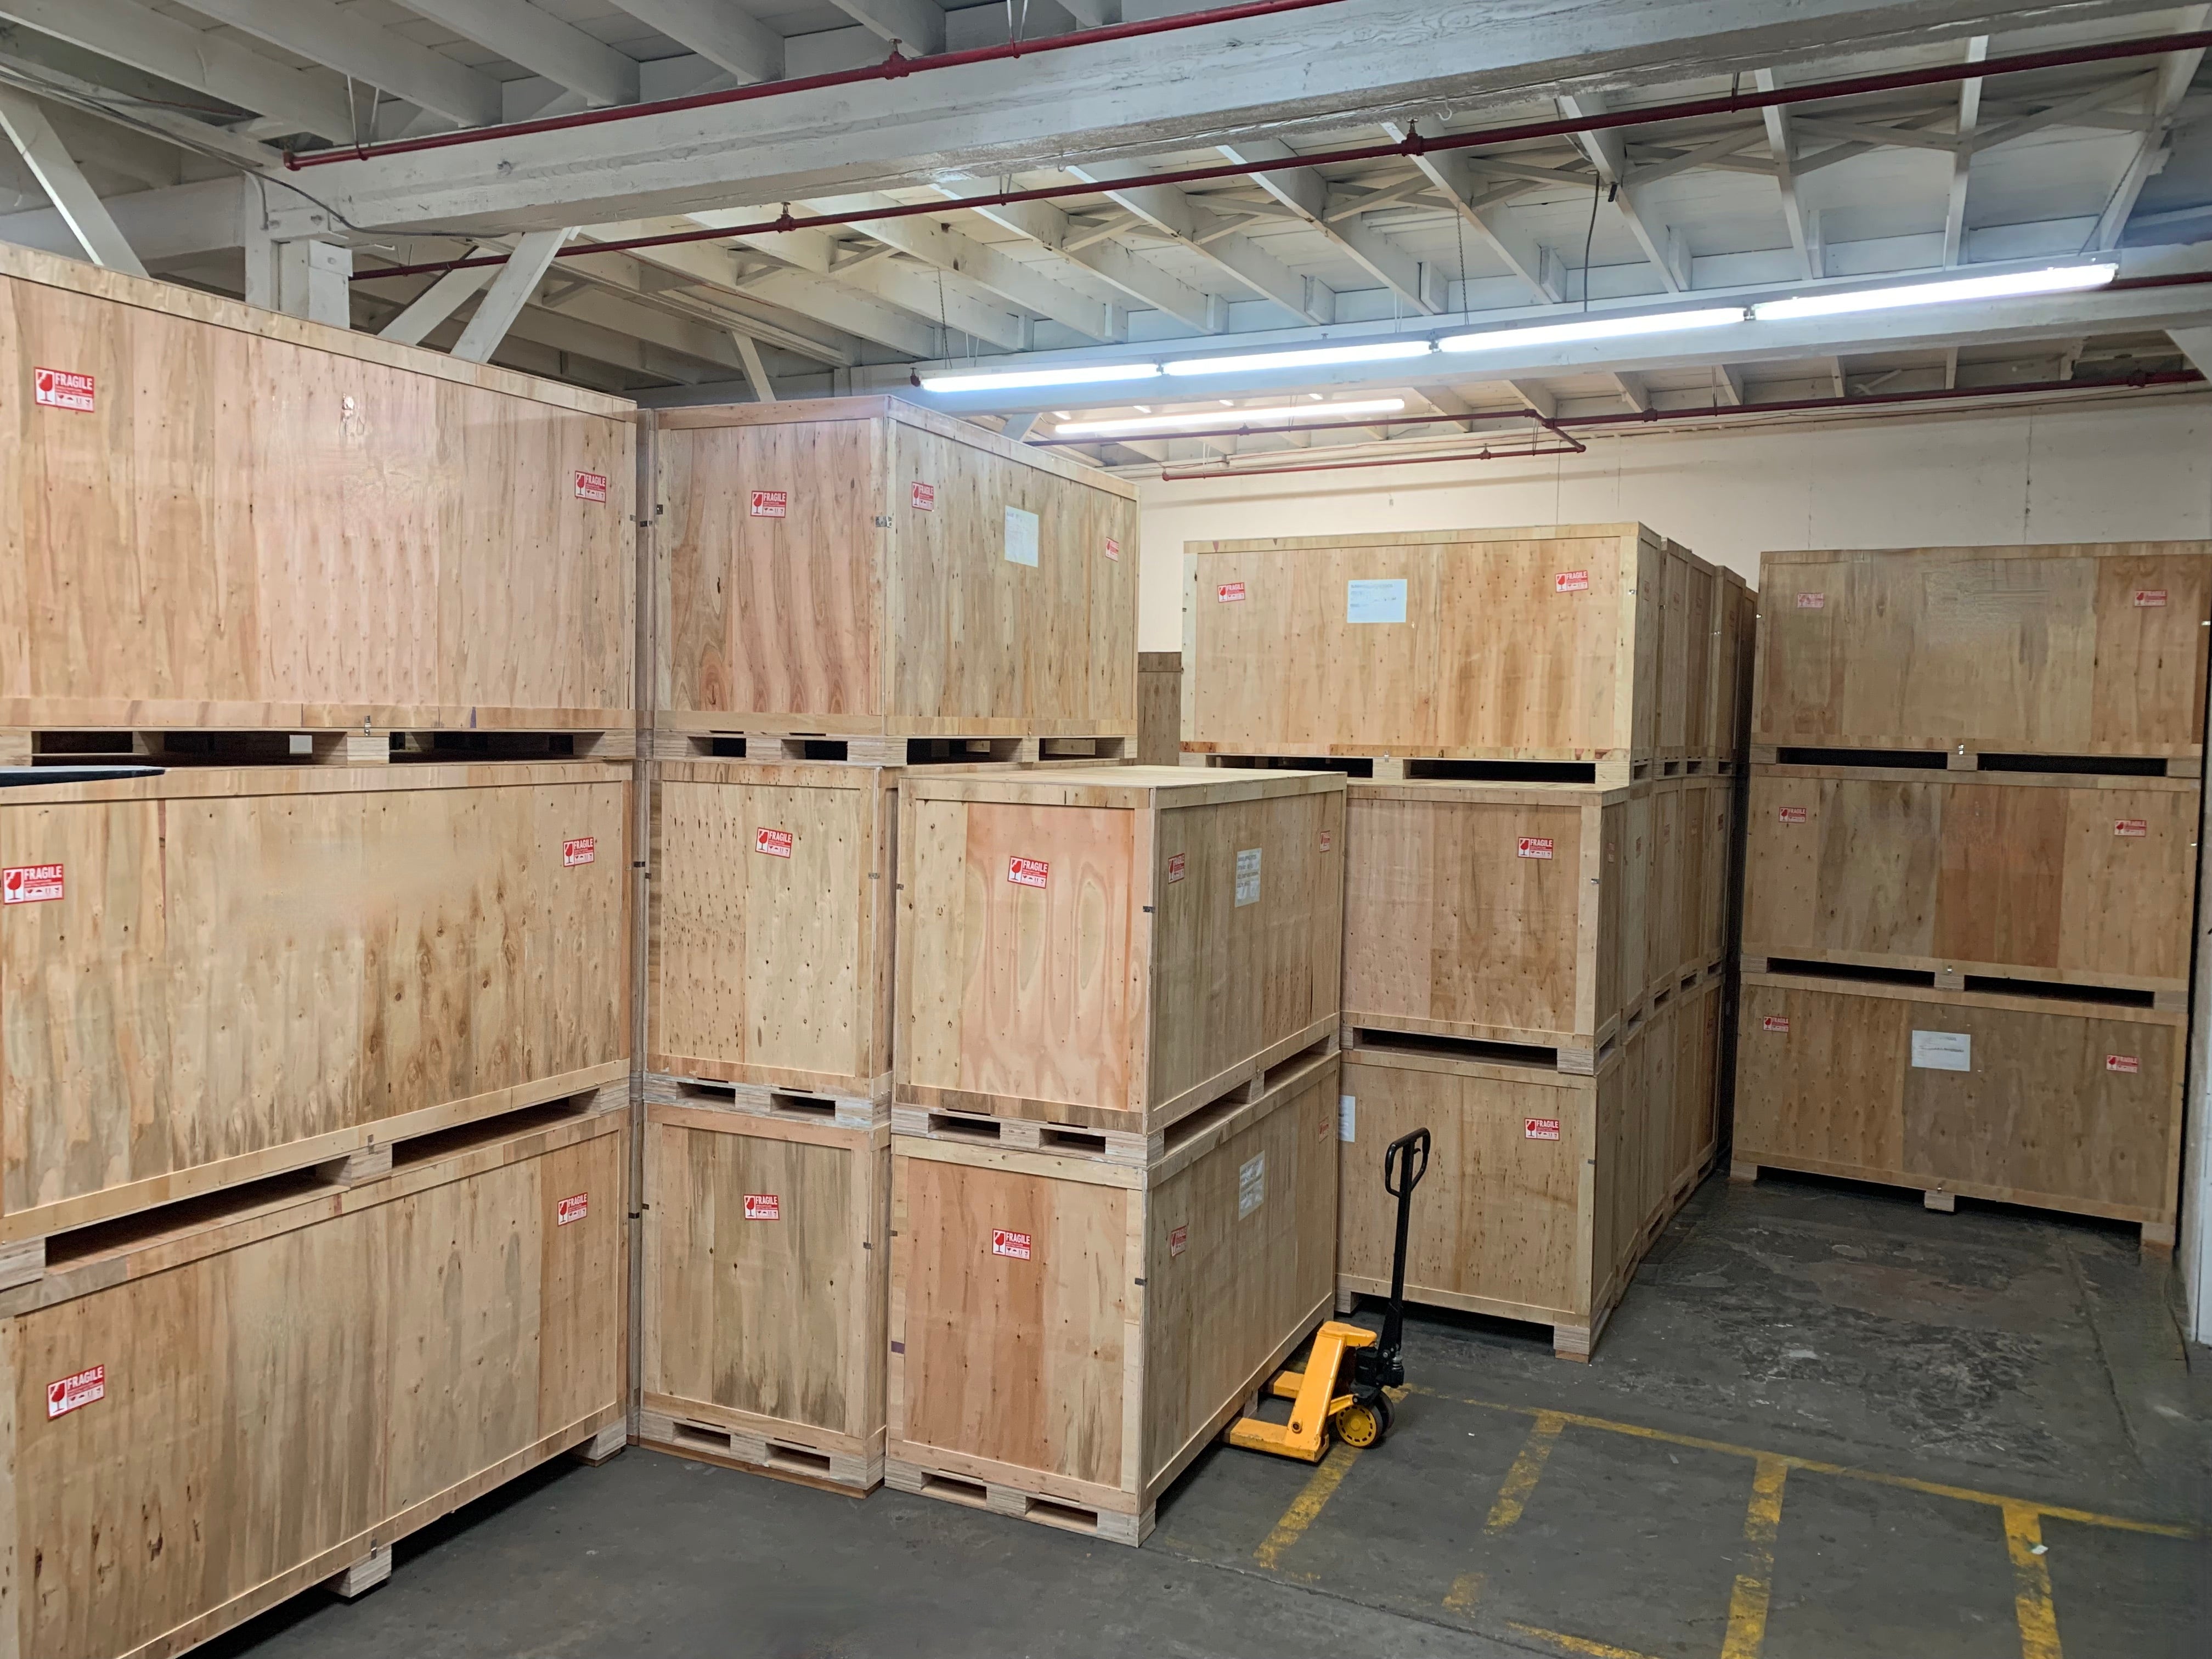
[(1256, 363), (1593, 328), (1090, 375), (2055, 279), (1274, 415)]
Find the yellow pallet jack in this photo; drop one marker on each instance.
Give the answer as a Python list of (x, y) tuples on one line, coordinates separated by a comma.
[(1325, 1401)]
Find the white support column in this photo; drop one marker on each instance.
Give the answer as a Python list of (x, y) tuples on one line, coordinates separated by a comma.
[(59, 175), (433, 304), (314, 280), (511, 289), (1962, 156)]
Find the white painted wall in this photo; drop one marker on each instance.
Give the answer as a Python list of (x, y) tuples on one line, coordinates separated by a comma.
[(2139, 471)]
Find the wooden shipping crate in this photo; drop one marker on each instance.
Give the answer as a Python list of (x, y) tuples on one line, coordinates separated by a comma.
[(247, 520), (2063, 1105), (2070, 878), (1689, 658), (859, 565), (2084, 649), (1159, 709), (766, 1241), (1069, 1332), (217, 974), (1113, 947), (216, 1406), (1535, 644)]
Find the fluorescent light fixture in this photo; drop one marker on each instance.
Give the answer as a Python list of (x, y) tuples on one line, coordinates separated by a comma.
[(1092, 375), (2055, 279), (1592, 328), (1275, 415), (1256, 363)]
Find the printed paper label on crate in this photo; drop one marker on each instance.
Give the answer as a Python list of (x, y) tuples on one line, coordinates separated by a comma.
[(582, 850), (771, 503), (1177, 867), (1778, 1023), (1812, 601), (1377, 601), (1791, 815), (1248, 876), (57, 388), (924, 497), (1347, 1117), (30, 884), (1540, 1128), (763, 1207), (1327, 841), (1027, 873), (1534, 847), (1251, 1184), (2132, 827), (82, 1389), (1021, 536), (2124, 1062), (777, 843), (1230, 593), (1570, 581), (1178, 1240), (2150, 599), (592, 486), (575, 1207), (1943, 1051), (1016, 1245)]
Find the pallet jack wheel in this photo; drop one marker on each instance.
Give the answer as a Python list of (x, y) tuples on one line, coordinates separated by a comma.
[(1365, 1422)]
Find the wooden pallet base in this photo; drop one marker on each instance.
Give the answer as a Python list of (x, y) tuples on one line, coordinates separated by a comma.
[(1610, 768), (352, 746), (602, 1446), (363, 1575), (1966, 757), (1938, 974), (759, 1099), (819, 748), (1112, 1525), (796, 1457), (1021, 1135), (1569, 1340), (2157, 1236)]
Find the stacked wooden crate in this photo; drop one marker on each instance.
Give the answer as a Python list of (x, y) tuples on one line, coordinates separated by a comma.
[(1970, 870), (316, 1019), (1538, 871), (850, 594)]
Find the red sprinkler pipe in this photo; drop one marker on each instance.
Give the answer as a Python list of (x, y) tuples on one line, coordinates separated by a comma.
[(1413, 144)]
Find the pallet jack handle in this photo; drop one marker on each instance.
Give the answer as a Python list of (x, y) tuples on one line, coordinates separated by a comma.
[(1404, 1162)]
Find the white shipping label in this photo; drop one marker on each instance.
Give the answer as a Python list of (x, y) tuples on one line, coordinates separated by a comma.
[(1251, 1185), (1021, 536), (1375, 601), (1347, 1117), (1943, 1051), (1248, 876)]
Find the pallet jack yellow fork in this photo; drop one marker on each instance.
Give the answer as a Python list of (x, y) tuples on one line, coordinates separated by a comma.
[(1326, 1401)]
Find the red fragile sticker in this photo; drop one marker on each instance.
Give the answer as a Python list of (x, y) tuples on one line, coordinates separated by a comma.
[(2122, 1063), (1178, 1240), (1175, 868), (771, 503), (1536, 847), (592, 486), (1791, 815), (2149, 599), (57, 388), (575, 1207), (1014, 1244), (1812, 601), (1229, 592), (1327, 841), (1541, 1128), (30, 884), (924, 497), (2130, 827), (763, 1207), (1027, 873), (777, 843), (1777, 1023), (81, 1388), (1113, 548), (582, 850), (1570, 581)]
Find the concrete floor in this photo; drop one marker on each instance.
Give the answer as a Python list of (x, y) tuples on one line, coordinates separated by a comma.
[(1826, 1424)]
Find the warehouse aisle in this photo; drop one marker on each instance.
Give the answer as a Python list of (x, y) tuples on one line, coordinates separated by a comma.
[(1826, 1424)]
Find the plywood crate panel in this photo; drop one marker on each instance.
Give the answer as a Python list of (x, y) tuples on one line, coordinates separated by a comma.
[(2060, 877), (862, 565), (1535, 644), (1688, 659), (1159, 709), (241, 971), (2077, 649), (2063, 1105), (265, 522), (766, 1273), (1068, 1332), (1112, 947), (292, 1375)]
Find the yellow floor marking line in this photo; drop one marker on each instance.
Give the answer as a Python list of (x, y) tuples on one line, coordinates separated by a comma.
[(1580, 1645), (1464, 1592), (1814, 1466), (1754, 1578), (2031, 1584), (1528, 1468), (1306, 1507)]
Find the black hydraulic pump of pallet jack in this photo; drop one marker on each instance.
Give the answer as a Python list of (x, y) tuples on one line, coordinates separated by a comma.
[(1324, 1399)]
